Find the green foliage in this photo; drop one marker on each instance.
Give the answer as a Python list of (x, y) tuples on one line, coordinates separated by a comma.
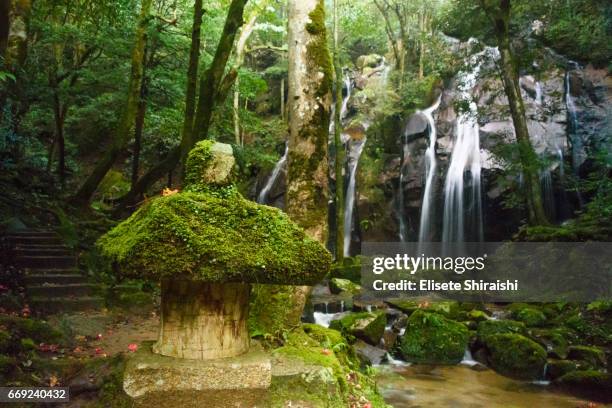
[(493, 327), (433, 339)]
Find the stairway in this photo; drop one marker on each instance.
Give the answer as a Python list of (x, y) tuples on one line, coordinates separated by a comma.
[(53, 282)]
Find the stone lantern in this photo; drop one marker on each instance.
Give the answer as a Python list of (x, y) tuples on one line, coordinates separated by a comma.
[(207, 245)]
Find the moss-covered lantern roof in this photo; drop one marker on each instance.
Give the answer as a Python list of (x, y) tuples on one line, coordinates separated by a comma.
[(209, 232)]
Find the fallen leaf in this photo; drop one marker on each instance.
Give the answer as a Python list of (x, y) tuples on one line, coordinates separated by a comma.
[(132, 347)]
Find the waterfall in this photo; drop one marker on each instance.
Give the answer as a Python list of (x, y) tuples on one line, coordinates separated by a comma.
[(345, 100), (465, 161), (263, 194), (539, 93), (349, 206), (430, 170), (403, 227), (572, 115)]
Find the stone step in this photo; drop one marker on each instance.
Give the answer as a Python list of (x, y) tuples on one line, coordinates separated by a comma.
[(46, 262), (34, 233), (34, 240), (41, 251), (54, 305), (52, 290), (54, 278), (52, 271)]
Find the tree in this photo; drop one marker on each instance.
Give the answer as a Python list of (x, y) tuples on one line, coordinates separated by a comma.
[(498, 12), (214, 86), (338, 146), (122, 135)]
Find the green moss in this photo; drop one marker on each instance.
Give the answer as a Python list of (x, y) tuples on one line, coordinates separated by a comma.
[(27, 344), (202, 237), (531, 317), (558, 368), (198, 161), (406, 306), (326, 337), (272, 309), (337, 285), (477, 316), (36, 330), (491, 327), (554, 340), (434, 339), (516, 356), (317, 48), (5, 341), (367, 326), (594, 357)]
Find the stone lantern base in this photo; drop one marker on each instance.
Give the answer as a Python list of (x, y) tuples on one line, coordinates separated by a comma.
[(158, 381)]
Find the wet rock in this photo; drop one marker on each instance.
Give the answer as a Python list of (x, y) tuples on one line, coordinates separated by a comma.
[(390, 339), (338, 285), (369, 354), (558, 368), (400, 323), (417, 124), (593, 356), (553, 340), (590, 384), (431, 338), (369, 327)]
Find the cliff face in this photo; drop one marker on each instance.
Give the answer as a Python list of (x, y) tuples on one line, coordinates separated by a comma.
[(569, 119)]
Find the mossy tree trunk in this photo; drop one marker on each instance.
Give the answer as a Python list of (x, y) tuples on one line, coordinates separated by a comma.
[(122, 135), (338, 146), (5, 25), (245, 33), (499, 13), (203, 321), (214, 86), (309, 97)]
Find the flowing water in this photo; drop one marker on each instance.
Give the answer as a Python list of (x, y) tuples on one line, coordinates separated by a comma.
[(463, 198), (539, 99), (403, 225), (349, 206), (572, 115), (262, 198), (460, 386), (430, 171)]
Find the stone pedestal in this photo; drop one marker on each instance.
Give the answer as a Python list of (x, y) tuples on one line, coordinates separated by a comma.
[(158, 381)]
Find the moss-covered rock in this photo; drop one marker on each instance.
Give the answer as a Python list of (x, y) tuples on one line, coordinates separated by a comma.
[(366, 326), (589, 383), (555, 341), (477, 316), (5, 341), (406, 306), (531, 317), (593, 357), (17, 328), (558, 368), (492, 327), (432, 338), (516, 356), (337, 285)]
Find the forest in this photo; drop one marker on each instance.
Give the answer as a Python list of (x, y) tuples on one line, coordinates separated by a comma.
[(192, 193)]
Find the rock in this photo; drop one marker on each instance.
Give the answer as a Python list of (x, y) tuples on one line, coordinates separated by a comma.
[(417, 124), (390, 339), (337, 285), (593, 356), (368, 354), (400, 323), (369, 327), (553, 340), (431, 338), (153, 380), (590, 383), (558, 368), (516, 356), (531, 317), (481, 355), (370, 61), (492, 327)]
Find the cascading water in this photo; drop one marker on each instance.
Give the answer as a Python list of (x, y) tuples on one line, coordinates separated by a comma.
[(349, 206), (430, 170), (403, 226), (539, 99), (263, 194), (465, 160), (572, 115), (348, 85)]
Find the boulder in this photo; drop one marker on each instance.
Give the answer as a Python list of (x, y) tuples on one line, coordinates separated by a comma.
[(553, 340), (589, 383), (516, 356), (370, 61), (558, 368), (369, 354), (491, 327), (366, 326), (433, 339), (593, 357)]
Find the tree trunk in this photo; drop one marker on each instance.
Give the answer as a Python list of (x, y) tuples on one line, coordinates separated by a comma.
[(121, 138), (245, 33), (202, 320), (310, 97), (529, 160), (310, 86), (192, 78), (338, 147), (138, 129), (5, 25)]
